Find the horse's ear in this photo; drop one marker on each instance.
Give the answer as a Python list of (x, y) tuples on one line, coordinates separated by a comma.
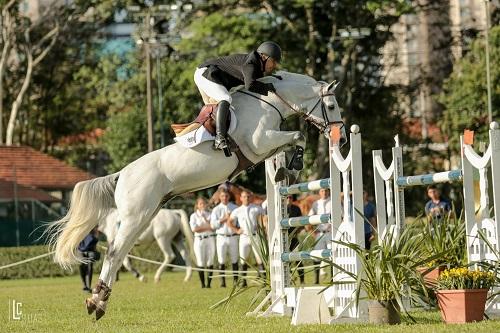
[(332, 86)]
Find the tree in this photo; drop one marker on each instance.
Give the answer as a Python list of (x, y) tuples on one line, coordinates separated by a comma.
[(29, 39), (465, 94)]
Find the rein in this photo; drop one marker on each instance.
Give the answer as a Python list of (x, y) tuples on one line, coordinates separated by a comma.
[(305, 115)]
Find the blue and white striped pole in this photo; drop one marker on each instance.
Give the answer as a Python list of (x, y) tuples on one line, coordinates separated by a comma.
[(431, 178)]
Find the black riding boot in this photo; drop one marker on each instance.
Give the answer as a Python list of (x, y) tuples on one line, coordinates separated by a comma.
[(235, 270), (221, 127), (223, 278), (83, 275), (244, 269), (209, 279), (202, 278), (316, 272)]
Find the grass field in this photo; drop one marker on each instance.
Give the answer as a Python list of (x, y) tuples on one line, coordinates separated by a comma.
[(56, 305)]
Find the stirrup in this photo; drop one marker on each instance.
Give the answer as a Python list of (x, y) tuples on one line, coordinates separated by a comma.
[(220, 143)]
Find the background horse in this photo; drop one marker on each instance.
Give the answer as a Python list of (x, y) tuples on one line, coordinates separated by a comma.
[(169, 227), (141, 188)]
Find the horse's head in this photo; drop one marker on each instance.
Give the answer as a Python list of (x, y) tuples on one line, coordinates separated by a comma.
[(312, 100)]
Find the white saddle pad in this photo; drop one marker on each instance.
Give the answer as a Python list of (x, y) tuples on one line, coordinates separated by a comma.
[(194, 138)]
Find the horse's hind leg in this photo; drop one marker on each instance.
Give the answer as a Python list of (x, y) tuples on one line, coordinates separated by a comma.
[(127, 263), (165, 244), (130, 228), (179, 244)]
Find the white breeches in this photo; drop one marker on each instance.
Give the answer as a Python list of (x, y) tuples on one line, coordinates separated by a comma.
[(227, 246), (204, 251), (245, 247), (213, 90)]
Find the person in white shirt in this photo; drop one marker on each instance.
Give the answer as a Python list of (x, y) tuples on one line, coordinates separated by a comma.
[(227, 238), (204, 239), (322, 233), (245, 219)]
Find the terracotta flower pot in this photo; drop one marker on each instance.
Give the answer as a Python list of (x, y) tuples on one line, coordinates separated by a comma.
[(383, 312), (462, 306), (430, 279)]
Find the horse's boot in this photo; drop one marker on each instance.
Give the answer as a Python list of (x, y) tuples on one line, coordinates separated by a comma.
[(221, 128)]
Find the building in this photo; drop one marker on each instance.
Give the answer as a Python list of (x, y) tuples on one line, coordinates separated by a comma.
[(425, 45), (34, 189)]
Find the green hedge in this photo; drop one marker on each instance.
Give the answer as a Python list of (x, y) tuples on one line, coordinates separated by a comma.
[(45, 267)]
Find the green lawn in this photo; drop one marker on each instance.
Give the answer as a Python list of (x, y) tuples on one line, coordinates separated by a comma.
[(56, 305)]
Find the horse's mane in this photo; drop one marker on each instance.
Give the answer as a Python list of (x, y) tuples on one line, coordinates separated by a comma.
[(282, 77), (289, 76)]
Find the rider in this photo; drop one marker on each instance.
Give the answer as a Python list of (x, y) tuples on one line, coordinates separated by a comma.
[(214, 78)]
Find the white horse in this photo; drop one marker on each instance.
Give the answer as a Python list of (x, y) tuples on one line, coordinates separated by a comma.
[(141, 188), (166, 228)]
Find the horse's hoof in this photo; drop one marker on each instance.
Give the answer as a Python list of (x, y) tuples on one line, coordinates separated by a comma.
[(280, 174), (99, 313), (157, 280), (91, 306), (143, 279)]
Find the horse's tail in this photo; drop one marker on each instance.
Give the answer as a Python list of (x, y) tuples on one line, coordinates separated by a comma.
[(91, 202), (186, 231)]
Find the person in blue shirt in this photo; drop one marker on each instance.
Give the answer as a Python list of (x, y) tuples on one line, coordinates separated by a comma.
[(436, 208), (87, 248), (369, 212)]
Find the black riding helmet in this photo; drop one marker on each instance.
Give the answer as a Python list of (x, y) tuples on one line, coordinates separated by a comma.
[(271, 49)]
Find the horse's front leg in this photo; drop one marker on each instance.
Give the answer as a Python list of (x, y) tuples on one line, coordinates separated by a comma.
[(278, 140)]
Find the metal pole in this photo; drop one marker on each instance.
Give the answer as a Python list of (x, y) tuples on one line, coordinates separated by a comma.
[(160, 99), (488, 78), (148, 96)]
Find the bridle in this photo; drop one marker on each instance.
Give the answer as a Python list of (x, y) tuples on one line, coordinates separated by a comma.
[(307, 116)]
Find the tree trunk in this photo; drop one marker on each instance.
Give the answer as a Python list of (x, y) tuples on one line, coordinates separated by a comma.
[(6, 30), (19, 99)]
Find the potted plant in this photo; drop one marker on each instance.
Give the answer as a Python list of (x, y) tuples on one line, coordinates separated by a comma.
[(445, 236), (462, 294), (389, 274)]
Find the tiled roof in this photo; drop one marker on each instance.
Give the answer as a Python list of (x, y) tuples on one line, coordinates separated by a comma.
[(7, 192), (35, 169)]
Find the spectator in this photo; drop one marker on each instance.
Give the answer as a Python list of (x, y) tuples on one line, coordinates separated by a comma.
[(204, 240), (226, 239), (436, 208), (244, 220), (87, 249), (369, 213)]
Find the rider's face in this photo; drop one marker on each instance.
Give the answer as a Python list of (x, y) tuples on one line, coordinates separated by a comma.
[(271, 66)]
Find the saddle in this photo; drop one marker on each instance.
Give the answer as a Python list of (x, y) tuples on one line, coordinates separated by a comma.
[(205, 118)]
